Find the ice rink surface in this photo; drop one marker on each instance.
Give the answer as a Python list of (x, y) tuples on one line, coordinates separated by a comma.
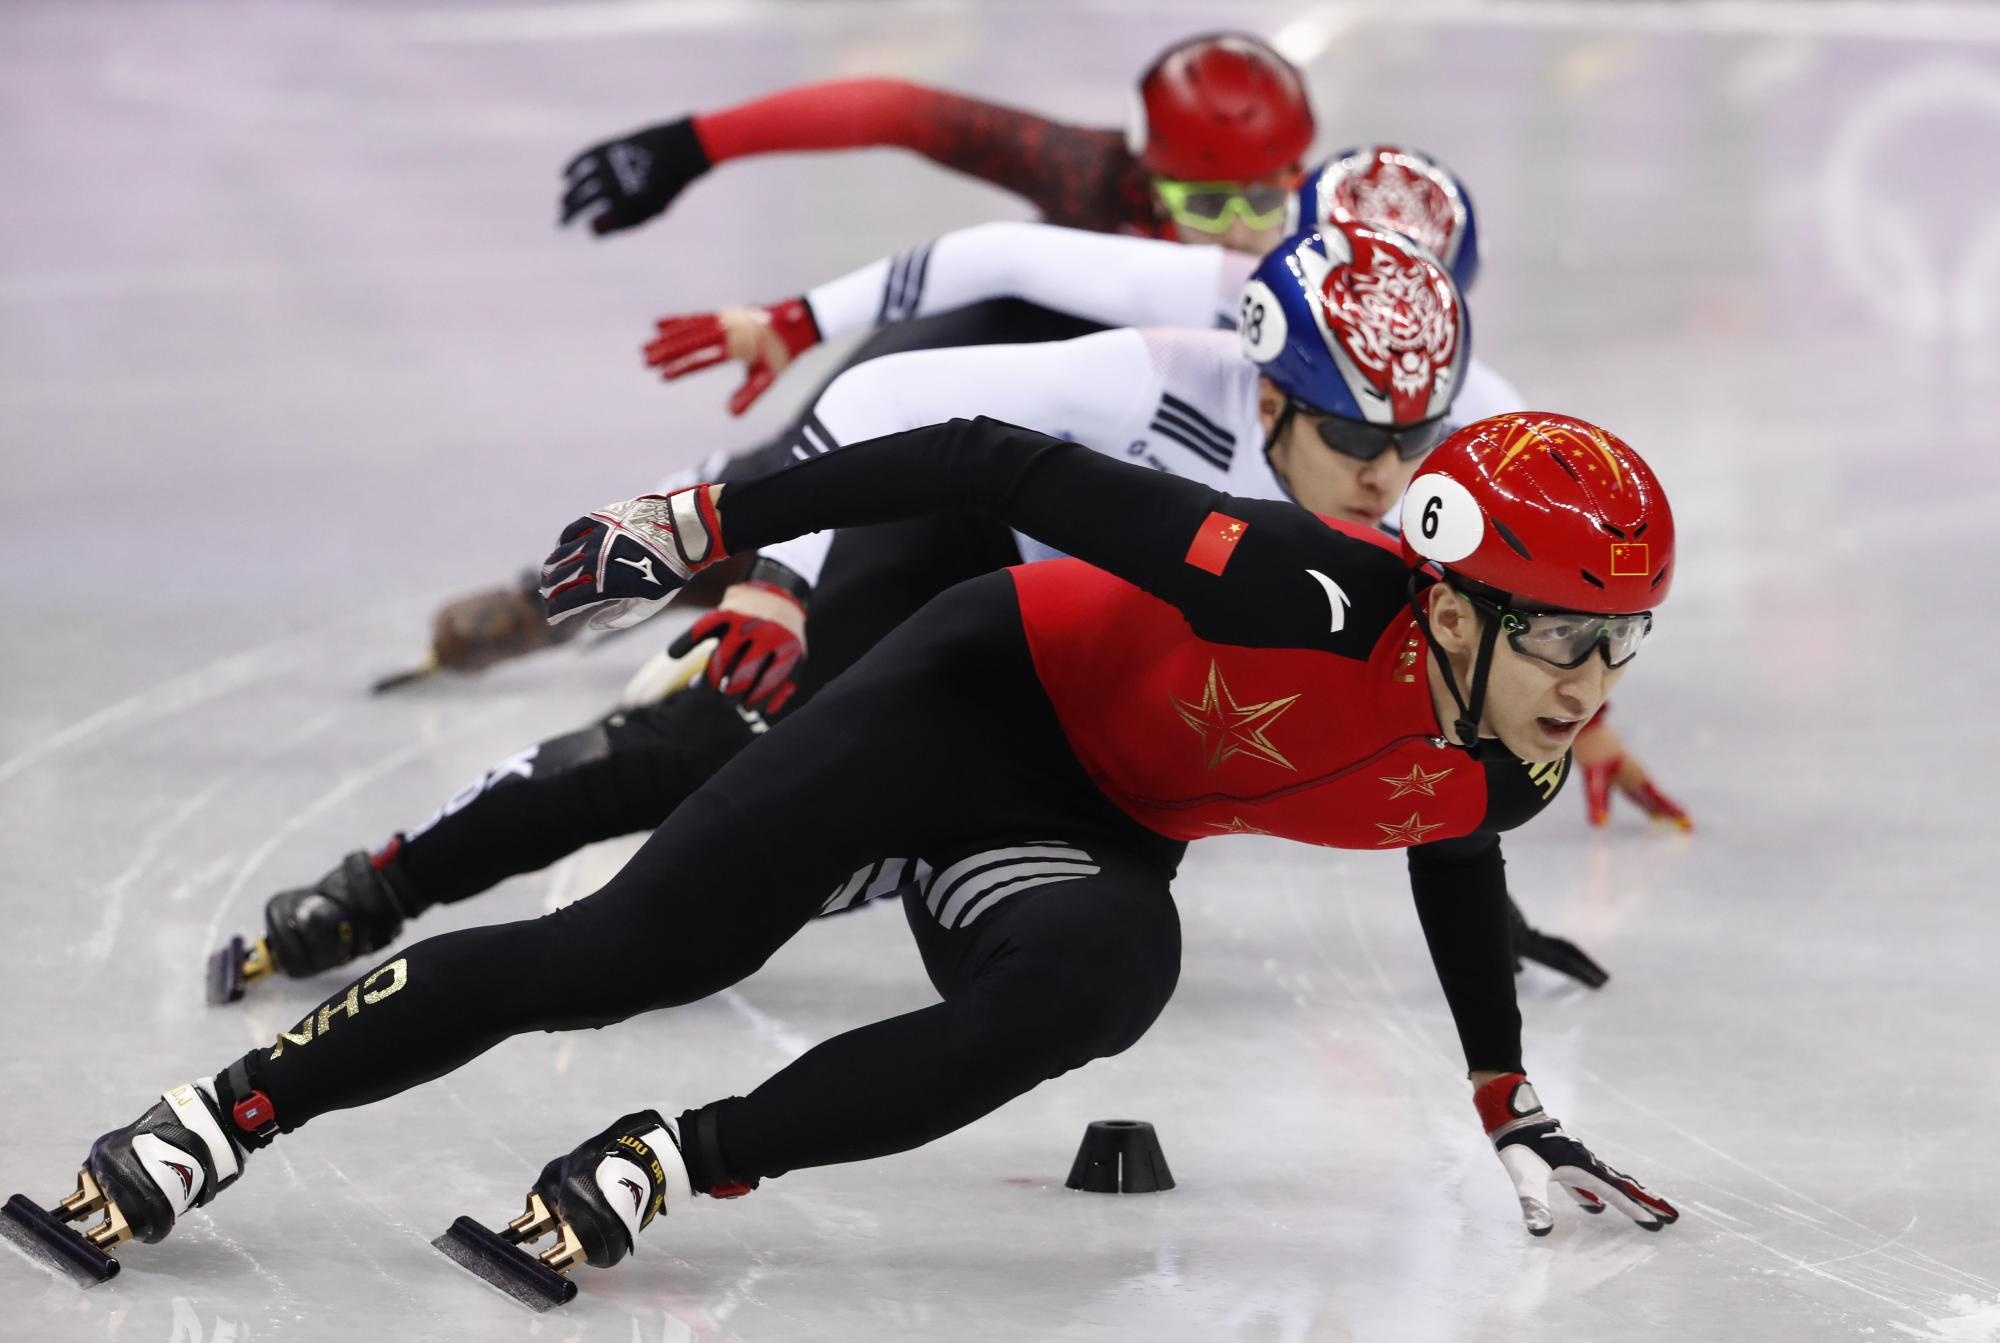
[(290, 349)]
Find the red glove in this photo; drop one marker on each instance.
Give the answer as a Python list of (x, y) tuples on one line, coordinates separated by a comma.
[(765, 339), (1607, 765), (760, 640), (1535, 1150)]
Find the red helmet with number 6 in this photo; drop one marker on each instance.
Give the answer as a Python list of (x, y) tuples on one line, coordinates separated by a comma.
[(1547, 509), (1220, 108)]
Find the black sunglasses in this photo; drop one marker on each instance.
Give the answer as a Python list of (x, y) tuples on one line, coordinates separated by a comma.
[(1365, 442)]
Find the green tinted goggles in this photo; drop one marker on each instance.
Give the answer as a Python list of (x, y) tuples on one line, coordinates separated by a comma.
[(1209, 207)]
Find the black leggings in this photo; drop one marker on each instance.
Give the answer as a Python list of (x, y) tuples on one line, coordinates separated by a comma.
[(1048, 927)]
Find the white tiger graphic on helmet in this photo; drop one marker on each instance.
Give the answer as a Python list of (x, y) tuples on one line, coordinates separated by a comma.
[(1391, 195), (1396, 319)]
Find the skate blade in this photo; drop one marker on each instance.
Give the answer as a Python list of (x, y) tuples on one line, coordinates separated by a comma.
[(236, 967), (505, 1265), (55, 1244), (396, 680)]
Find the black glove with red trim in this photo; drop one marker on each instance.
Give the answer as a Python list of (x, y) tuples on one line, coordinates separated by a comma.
[(619, 564), (1535, 1150)]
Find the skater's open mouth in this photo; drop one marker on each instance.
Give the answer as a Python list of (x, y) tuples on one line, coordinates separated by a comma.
[(1559, 729)]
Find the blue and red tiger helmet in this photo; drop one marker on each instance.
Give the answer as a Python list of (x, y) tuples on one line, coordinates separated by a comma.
[(1394, 188), (1357, 322)]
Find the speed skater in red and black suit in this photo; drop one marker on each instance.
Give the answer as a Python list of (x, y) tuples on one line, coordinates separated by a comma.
[(1219, 127), (1049, 738)]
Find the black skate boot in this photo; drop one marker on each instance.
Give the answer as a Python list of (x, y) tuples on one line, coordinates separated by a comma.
[(351, 911), (178, 1155), (595, 1201)]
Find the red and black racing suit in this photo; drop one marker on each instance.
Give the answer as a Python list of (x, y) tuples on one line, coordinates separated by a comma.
[(1048, 738)]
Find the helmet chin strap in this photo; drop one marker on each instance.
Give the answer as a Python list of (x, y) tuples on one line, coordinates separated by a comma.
[(1271, 441), (1472, 704)]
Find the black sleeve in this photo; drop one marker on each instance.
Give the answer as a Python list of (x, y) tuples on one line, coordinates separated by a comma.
[(1460, 887), (1275, 580)]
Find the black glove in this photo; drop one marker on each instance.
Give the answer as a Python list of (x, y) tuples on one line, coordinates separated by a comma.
[(1558, 953), (620, 563), (624, 182)]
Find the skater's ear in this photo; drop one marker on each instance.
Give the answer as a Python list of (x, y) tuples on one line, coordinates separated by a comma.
[(1454, 621), (1270, 405)]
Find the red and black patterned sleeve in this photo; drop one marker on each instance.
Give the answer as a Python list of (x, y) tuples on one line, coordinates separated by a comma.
[(1075, 176)]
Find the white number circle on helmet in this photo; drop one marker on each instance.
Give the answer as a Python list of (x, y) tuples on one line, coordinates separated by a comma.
[(1261, 323), (1441, 520)]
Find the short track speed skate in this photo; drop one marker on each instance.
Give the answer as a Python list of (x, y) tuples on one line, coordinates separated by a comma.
[(178, 1155), (47, 1236), (593, 1202), (351, 911)]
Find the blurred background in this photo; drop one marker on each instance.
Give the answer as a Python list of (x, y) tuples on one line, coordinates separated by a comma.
[(291, 348)]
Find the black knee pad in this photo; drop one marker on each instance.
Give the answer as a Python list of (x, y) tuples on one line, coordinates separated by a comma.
[(703, 729), (573, 750)]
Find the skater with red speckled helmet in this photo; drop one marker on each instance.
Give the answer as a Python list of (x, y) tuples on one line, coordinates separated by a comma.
[(1049, 738)]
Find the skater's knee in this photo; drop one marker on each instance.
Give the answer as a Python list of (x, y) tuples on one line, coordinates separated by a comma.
[(1090, 999), (626, 952), (678, 742), (1109, 1018)]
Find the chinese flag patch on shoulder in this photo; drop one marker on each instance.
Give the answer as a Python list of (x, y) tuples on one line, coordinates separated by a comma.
[(1215, 541)]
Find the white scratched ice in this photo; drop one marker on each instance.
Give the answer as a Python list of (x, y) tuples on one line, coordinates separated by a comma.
[(290, 349)]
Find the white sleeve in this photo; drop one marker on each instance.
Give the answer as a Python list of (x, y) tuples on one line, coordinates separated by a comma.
[(1101, 277), (708, 468), (1090, 390), (1484, 393)]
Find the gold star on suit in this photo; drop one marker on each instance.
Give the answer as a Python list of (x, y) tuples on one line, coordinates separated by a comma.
[(1411, 831), (1228, 728), (1236, 826), (1416, 781)]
